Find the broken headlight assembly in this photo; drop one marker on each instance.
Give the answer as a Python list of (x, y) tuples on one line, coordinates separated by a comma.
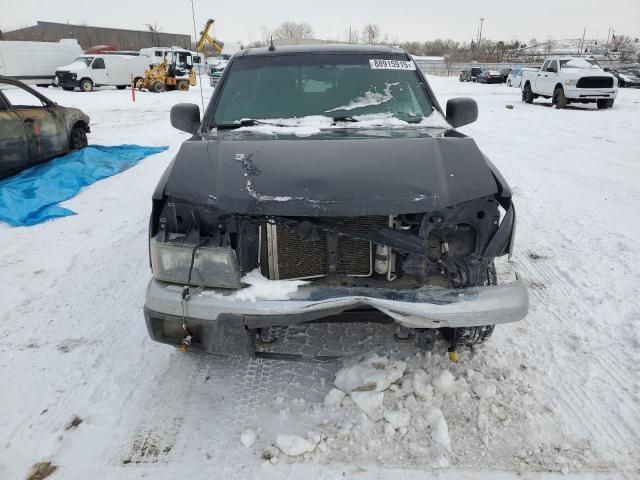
[(212, 266)]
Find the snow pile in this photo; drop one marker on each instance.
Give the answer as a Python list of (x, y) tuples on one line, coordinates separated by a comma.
[(314, 124), (371, 373), (419, 411), (248, 438), (580, 63), (370, 98), (261, 288), (294, 445)]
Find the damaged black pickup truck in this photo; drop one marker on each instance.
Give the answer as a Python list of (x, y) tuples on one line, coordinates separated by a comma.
[(326, 179)]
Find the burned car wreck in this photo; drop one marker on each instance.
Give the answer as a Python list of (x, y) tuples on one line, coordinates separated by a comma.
[(331, 169)]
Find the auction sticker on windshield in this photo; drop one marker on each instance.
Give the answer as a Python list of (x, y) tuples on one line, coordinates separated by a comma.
[(382, 64)]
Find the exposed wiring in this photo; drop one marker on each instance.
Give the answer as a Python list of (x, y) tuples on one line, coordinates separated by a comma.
[(186, 295)]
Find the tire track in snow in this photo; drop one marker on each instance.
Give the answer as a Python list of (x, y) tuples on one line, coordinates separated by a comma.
[(575, 399), (168, 405)]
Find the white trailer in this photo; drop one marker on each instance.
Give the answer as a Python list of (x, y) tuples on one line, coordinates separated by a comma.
[(35, 63)]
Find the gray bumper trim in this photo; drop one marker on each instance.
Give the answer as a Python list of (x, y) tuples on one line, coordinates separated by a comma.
[(422, 308)]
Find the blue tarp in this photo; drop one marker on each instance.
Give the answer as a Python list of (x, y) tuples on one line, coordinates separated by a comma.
[(32, 196)]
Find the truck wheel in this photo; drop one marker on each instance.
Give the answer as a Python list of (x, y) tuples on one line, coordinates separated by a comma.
[(86, 85), (527, 94), (602, 104), (121, 87), (137, 83), (470, 336), (157, 87), (78, 138), (183, 85), (558, 99)]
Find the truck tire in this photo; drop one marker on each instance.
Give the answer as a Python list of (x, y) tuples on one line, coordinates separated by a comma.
[(86, 85), (602, 104), (558, 99), (157, 87), (121, 87), (470, 336), (527, 93), (183, 85), (78, 137)]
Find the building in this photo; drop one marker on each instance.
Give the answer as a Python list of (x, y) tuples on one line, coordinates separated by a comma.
[(88, 36)]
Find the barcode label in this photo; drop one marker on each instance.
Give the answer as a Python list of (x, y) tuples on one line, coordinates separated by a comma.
[(381, 64)]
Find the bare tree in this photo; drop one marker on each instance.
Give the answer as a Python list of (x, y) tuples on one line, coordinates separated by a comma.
[(623, 45), (370, 33), (550, 45), (154, 28), (351, 35), (293, 30)]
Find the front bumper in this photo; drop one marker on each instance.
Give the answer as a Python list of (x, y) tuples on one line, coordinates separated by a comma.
[(590, 93), (65, 82), (411, 308)]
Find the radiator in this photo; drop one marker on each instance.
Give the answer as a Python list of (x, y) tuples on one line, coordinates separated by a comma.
[(290, 257)]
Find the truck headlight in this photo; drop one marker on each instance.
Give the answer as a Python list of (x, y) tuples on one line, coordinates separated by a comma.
[(570, 83), (212, 267)]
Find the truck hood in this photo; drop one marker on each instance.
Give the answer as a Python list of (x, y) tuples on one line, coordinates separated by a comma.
[(328, 175), (73, 67), (577, 73)]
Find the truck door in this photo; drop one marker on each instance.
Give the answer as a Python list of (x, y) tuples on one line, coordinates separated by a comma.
[(43, 123), (552, 78), (543, 81), (99, 72), (14, 146)]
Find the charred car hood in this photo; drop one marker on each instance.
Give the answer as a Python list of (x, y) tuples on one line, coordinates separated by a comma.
[(330, 175)]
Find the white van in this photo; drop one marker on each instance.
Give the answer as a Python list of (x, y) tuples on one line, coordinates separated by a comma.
[(176, 55), (35, 63), (90, 71)]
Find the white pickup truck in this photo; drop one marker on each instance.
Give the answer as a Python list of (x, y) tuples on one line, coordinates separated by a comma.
[(568, 80)]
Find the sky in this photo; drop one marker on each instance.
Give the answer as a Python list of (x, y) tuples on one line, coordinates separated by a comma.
[(401, 20)]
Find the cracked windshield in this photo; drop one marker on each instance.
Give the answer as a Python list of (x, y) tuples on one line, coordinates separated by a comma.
[(333, 88)]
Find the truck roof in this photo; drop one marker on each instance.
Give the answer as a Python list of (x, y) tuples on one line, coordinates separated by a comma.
[(322, 48)]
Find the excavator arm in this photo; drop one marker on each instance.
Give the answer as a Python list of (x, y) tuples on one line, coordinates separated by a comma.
[(207, 38)]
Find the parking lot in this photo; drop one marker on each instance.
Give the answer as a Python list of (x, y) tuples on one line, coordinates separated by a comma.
[(74, 342)]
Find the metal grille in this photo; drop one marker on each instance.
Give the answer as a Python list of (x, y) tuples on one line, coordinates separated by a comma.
[(64, 76), (595, 82), (291, 257)]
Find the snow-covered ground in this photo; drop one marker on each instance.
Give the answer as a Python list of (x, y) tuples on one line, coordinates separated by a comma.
[(558, 393)]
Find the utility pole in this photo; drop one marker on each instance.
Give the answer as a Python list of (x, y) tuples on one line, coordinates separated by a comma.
[(480, 34), (479, 45)]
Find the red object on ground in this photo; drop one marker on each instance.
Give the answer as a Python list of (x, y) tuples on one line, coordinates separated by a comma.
[(96, 49), (133, 89)]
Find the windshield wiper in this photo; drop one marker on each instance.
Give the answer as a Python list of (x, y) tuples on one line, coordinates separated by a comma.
[(344, 118), (247, 122)]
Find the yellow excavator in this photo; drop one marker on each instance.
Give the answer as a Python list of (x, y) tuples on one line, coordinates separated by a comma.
[(168, 75), (175, 71)]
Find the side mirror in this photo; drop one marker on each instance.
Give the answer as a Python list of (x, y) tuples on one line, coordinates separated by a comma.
[(461, 111), (185, 117)]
